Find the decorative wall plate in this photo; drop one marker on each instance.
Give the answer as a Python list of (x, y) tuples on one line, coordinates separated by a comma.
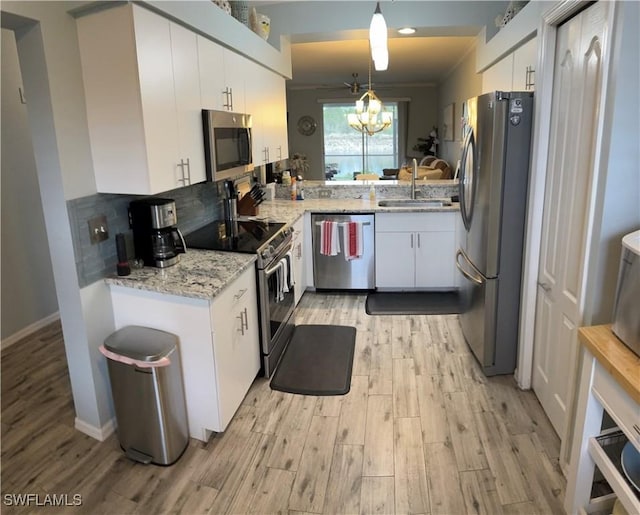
[(306, 125)]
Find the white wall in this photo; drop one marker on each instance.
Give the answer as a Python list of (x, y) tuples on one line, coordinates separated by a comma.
[(462, 84), (49, 59), (28, 290), (620, 183)]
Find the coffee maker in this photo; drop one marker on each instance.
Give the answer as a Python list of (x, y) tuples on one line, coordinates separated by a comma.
[(156, 238)]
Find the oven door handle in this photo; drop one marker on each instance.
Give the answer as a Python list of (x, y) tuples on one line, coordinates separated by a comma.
[(270, 271)]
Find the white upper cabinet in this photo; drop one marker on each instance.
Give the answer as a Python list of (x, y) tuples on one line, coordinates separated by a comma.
[(213, 92), (267, 104), (524, 66), (222, 77), (141, 83), (184, 52), (499, 77), (515, 72)]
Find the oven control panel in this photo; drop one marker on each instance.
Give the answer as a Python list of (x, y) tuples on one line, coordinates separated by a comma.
[(276, 245)]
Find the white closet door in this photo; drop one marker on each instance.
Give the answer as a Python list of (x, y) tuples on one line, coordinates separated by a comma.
[(577, 84)]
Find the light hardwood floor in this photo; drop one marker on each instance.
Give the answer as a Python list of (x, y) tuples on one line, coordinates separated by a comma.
[(421, 431)]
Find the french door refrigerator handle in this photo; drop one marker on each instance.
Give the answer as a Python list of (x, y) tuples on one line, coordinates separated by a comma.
[(469, 141), (478, 280)]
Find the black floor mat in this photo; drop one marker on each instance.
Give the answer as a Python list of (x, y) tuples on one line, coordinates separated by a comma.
[(317, 361), (413, 303)]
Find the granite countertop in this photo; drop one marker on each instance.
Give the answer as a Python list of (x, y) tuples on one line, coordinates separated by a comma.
[(289, 211), (200, 274), (203, 274)]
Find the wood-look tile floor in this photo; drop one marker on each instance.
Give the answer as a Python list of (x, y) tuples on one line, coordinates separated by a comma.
[(421, 431)]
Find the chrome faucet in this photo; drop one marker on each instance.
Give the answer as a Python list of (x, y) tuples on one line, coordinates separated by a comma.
[(414, 176)]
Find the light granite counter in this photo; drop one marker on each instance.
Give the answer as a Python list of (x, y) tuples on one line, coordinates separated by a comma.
[(200, 274), (289, 211), (203, 274)]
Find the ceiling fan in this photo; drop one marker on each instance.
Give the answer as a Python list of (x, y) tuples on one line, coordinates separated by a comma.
[(354, 86)]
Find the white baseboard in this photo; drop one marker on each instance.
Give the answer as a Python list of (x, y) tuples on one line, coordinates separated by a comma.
[(29, 330), (99, 433)]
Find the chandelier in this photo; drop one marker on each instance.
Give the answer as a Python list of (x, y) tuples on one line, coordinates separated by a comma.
[(370, 116)]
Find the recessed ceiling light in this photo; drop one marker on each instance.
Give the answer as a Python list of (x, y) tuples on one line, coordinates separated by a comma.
[(407, 30)]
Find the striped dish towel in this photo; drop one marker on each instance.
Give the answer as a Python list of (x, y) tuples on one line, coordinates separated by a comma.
[(353, 240), (329, 241)]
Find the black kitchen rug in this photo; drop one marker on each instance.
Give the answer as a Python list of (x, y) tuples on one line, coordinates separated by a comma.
[(317, 361), (413, 303)]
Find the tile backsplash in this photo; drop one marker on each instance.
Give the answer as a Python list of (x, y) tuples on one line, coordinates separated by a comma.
[(196, 205)]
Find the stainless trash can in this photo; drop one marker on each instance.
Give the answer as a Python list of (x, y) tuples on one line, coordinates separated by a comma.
[(148, 394)]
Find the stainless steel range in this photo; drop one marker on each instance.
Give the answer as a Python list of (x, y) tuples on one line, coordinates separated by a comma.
[(272, 242)]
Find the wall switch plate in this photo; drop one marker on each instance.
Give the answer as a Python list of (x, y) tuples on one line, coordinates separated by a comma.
[(98, 229)]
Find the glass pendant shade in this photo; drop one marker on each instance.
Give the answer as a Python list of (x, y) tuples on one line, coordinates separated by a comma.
[(378, 30), (381, 60), (369, 116)]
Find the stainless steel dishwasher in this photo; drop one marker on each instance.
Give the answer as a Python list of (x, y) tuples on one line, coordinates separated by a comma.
[(335, 272)]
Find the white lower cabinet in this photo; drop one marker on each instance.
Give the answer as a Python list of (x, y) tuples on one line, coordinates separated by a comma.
[(235, 344), (298, 259), (218, 343), (415, 250)]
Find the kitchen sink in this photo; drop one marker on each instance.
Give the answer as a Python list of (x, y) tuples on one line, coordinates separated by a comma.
[(420, 202)]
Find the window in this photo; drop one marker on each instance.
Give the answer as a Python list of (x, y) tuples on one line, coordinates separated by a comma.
[(348, 152)]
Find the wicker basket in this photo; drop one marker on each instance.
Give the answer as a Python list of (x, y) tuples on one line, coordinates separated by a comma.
[(240, 11)]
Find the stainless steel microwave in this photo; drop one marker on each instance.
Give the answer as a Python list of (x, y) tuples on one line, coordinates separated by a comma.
[(227, 144)]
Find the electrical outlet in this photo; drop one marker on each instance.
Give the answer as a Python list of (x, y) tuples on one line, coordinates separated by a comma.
[(324, 194), (98, 229)]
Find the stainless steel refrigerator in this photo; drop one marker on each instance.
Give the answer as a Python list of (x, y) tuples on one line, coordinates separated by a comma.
[(494, 178)]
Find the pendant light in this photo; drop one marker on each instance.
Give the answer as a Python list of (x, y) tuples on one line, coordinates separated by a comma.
[(370, 116), (378, 40)]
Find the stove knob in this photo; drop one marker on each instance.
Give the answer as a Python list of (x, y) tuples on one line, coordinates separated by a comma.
[(268, 252)]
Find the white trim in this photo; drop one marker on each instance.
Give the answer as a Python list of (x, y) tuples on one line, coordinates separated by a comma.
[(99, 433), (29, 330)]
